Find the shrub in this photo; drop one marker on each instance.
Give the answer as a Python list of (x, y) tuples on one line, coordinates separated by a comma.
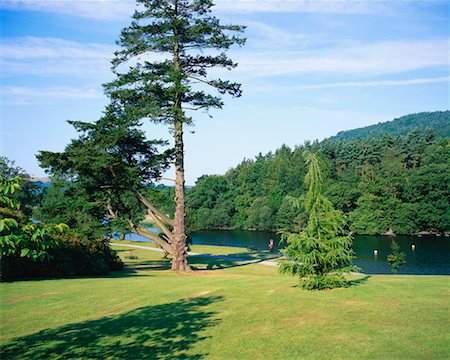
[(74, 256), (324, 281)]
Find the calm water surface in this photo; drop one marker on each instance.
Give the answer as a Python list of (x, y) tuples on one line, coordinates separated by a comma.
[(430, 256)]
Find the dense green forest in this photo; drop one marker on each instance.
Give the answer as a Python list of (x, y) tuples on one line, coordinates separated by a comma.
[(391, 183), (438, 121)]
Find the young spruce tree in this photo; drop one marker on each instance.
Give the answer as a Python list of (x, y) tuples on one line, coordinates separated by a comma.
[(162, 75), (396, 258), (320, 254)]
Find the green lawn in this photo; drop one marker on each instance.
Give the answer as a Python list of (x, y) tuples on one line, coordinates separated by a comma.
[(203, 249), (223, 310)]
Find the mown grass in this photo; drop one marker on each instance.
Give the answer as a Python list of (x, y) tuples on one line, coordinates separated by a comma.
[(202, 249), (223, 310)]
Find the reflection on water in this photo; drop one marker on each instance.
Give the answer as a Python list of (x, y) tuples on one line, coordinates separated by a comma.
[(427, 255), (424, 255)]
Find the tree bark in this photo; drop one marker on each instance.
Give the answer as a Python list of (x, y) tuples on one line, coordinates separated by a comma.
[(164, 218), (149, 235), (179, 260)]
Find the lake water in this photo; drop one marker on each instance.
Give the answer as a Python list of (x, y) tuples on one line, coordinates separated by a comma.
[(430, 255)]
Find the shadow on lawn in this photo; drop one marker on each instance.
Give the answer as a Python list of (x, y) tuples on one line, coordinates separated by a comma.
[(162, 264), (360, 281), (165, 331), (204, 261), (216, 262)]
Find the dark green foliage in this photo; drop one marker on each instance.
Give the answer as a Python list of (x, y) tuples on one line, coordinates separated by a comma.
[(369, 217), (290, 215), (69, 203), (322, 282), (97, 174), (207, 192), (398, 183), (9, 170), (438, 121), (210, 207), (42, 249), (95, 186), (396, 258), (260, 215), (320, 254), (182, 33), (162, 197), (74, 256)]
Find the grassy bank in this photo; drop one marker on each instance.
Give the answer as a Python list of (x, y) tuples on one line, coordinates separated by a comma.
[(224, 310)]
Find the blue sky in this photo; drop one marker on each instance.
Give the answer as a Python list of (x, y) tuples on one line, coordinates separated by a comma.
[(309, 70)]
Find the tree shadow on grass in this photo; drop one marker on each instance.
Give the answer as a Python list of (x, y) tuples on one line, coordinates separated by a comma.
[(162, 264), (360, 281), (217, 262), (166, 331), (203, 261), (247, 255)]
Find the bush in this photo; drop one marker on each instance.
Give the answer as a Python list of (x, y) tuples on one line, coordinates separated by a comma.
[(74, 256), (323, 281)]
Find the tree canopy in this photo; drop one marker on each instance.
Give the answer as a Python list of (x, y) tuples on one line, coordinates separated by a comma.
[(101, 175)]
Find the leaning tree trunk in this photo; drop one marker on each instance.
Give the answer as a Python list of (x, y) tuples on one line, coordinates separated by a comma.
[(179, 260)]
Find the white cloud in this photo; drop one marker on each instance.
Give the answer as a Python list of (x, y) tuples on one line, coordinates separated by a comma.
[(123, 9), (303, 6), (262, 35), (17, 95), (349, 84), (53, 56), (30, 47), (94, 9), (361, 60), (406, 82)]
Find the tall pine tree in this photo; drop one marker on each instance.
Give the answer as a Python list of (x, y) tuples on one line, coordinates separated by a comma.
[(162, 75)]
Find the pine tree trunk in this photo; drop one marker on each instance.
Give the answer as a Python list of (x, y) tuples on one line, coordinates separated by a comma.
[(179, 261)]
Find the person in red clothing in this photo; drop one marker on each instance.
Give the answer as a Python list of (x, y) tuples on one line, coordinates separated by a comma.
[(271, 245)]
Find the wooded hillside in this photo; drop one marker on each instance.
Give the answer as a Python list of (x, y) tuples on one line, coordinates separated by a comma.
[(438, 121), (391, 182)]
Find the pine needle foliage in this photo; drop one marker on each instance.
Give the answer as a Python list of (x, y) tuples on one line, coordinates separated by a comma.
[(166, 55), (320, 254)]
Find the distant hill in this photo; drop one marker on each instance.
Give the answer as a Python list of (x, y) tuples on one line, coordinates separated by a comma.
[(40, 179), (439, 121), (42, 184)]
